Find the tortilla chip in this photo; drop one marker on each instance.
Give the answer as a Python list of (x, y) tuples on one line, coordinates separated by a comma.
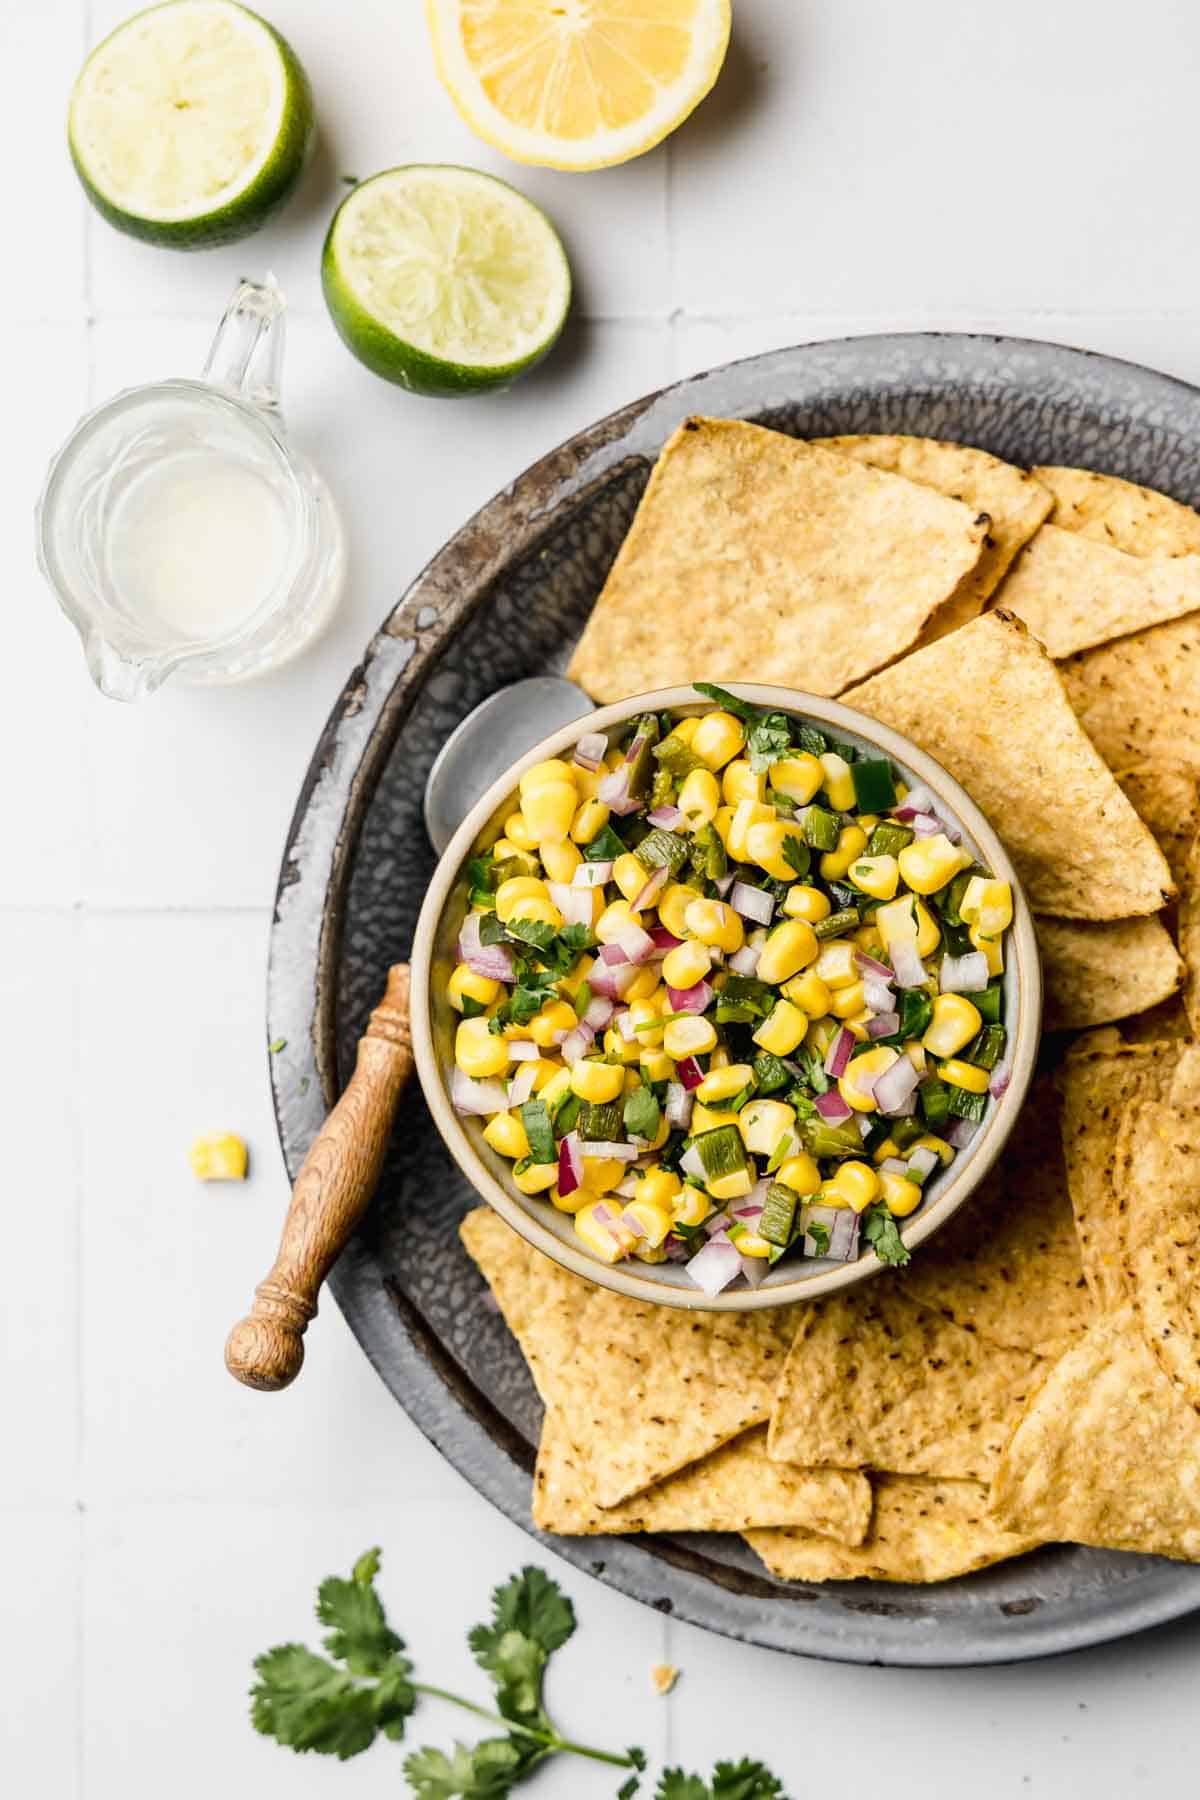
[(1189, 936), (1165, 794), (1098, 1081), (922, 1531), (1073, 593), (1007, 1266), (989, 704), (874, 1381), (642, 1390), (1167, 1023), (1111, 511), (755, 556), (1158, 1181), (1107, 1453), (1096, 972), (1140, 697), (1014, 502), (735, 1488)]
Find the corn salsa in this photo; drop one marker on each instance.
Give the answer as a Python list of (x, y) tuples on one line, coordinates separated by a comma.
[(729, 991)]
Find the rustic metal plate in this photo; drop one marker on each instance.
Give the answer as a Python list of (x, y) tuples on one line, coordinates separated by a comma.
[(506, 598)]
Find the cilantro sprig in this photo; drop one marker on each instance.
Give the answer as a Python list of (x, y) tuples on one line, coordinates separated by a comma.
[(881, 1232), (745, 1780)]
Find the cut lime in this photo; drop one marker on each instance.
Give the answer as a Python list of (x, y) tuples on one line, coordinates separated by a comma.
[(445, 280), (190, 124)]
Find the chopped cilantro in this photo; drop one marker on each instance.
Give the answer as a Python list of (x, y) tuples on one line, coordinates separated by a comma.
[(881, 1232)]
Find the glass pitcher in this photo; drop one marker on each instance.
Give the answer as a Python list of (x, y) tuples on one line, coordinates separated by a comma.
[(181, 533)]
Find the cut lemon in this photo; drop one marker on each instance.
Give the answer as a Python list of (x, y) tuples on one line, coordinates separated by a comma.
[(445, 280), (191, 123), (577, 84)]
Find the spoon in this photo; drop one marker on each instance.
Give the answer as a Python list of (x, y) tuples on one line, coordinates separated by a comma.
[(265, 1350)]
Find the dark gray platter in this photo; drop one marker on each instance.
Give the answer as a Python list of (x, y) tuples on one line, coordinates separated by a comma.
[(506, 598)]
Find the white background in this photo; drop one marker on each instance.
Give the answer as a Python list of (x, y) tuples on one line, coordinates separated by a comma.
[(863, 165)]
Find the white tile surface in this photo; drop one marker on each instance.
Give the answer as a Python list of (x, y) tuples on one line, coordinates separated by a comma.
[(858, 168)]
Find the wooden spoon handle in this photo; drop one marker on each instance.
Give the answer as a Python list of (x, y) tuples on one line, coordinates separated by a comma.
[(265, 1349)]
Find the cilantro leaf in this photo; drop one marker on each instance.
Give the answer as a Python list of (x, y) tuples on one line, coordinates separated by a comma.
[(770, 738), (531, 1618), (533, 1604), (629, 1788), (741, 709), (675, 1785), (881, 1232), (484, 1771), (819, 1234), (642, 1114), (531, 931), (361, 1636), (745, 1780), (303, 1701), (797, 854)]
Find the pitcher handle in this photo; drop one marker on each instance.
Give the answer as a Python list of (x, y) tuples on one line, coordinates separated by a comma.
[(247, 352)]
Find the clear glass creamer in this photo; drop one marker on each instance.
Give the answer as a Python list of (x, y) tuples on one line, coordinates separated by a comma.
[(183, 536)]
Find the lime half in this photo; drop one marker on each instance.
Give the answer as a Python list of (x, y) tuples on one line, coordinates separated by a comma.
[(190, 124), (445, 280)]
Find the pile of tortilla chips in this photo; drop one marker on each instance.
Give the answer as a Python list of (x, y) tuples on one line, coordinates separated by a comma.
[(1033, 1375)]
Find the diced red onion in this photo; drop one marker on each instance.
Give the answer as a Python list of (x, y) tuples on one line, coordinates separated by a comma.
[(632, 1223), (689, 1072), (521, 1085), (713, 1268), (664, 940), (838, 1054), (636, 945), (793, 1068), (910, 970), (495, 961), (577, 1043), (752, 902), (878, 995), (592, 874), (922, 1162), (1001, 1076), (613, 982), (602, 1152), (964, 974), (626, 1024), (690, 1000), (755, 1269), (918, 799), (479, 1097), (840, 1222), (871, 966), (717, 1225), (832, 1108), (749, 1215), (925, 824), (884, 1024), (668, 817), (614, 792), (559, 1038), (653, 888), (723, 883), (679, 1104), (570, 1164), (895, 1087), (691, 1164), (591, 750), (599, 1012), (677, 1250), (627, 1189), (575, 904), (892, 1165), (522, 1051), (745, 960), (961, 1132), (863, 1122)]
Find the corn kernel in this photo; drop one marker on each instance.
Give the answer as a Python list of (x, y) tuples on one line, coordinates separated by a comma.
[(799, 777), (517, 831), (596, 1081), (750, 1244), (714, 922), (938, 1145), (602, 1173), (878, 876), (556, 1015), (896, 922), (537, 1178), (615, 919), (571, 984), (570, 1203), (765, 846), (723, 1084), (889, 1147), (857, 1024), (622, 1050), (868, 940), (466, 984), (589, 821), (746, 814), (783, 1030), (587, 781), (558, 1085), (692, 1206), (820, 1034), (686, 728), (929, 934), (608, 1245), (731, 1187), (632, 1080), (741, 782), (643, 983), (791, 947), (807, 903), (857, 1183), (629, 875), (987, 903), (659, 1187), (848, 1001), (645, 1253), (687, 964), (955, 1022), (512, 894), (504, 850), (544, 1072), (836, 965), (655, 1221), (560, 861), (929, 863), (968, 1076), (852, 841), (550, 810), (648, 1021), (991, 946), (809, 993), (900, 1196), (673, 903), (723, 822), (717, 739), (218, 1156), (837, 781), (868, 821), (763, 1122), (800, 1173), (706, 1118), (690, 1036), (871, 1063), (506, 1134), (699, 798), (656, 1065), (541, 773), (914, 1049), (477, 1051), (539, 912)]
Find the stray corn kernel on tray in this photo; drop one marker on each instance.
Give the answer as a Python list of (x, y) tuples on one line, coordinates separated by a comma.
[(730, 993)]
